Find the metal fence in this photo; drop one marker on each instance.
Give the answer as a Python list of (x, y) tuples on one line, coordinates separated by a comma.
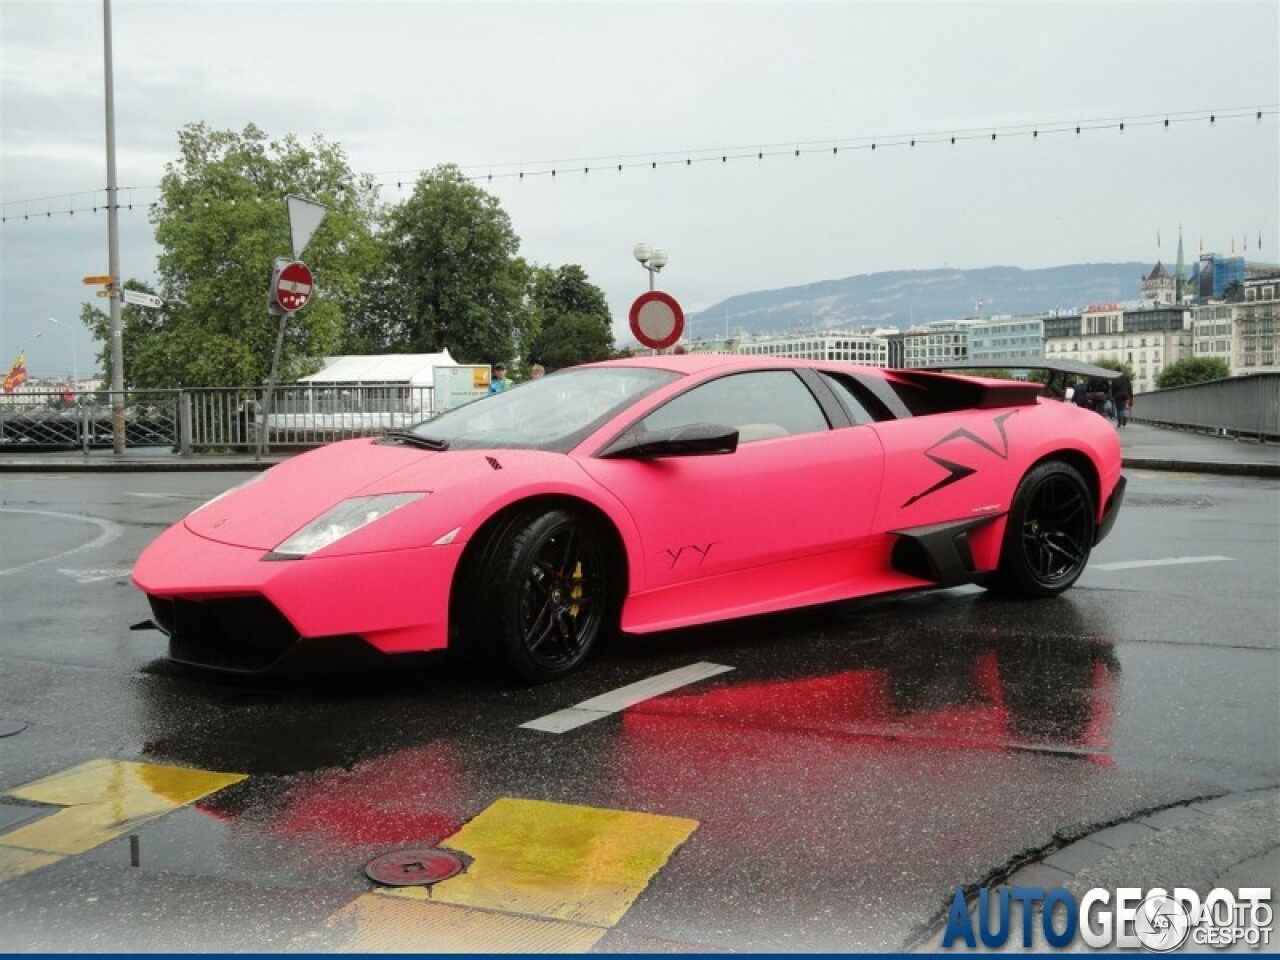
[(212, 420), (58, 420), (1246, 406)]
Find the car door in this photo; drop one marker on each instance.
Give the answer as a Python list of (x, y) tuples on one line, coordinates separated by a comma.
[(753, 526)]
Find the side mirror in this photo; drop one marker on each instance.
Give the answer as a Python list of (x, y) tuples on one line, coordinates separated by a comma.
[(689, 440)]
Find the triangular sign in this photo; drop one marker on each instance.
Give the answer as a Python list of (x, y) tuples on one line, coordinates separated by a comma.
[(304, 219)]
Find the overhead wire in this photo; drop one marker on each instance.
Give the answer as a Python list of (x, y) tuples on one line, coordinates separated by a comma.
[(15, 211)]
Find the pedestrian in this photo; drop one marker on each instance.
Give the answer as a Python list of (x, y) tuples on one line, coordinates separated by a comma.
[(536, 371), (498, 382), (1081, 395), (1122, 395)]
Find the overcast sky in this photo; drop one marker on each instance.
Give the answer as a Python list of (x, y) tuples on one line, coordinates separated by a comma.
[(403, 86)]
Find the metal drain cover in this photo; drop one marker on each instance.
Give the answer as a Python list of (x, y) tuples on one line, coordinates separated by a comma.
[(412, 868)]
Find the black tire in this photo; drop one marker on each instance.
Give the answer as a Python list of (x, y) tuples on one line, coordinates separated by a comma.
[(1049, 534), (542, 594)]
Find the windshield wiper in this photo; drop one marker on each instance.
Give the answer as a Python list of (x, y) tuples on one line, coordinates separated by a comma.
[(417, 440)]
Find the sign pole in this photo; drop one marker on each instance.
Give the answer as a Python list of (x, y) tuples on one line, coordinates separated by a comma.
[(271, 385)]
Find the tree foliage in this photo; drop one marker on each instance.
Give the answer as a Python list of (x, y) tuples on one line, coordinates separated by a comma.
[(1193, 370), (439, 270), (570, 317), (451, 258), (221, 221)]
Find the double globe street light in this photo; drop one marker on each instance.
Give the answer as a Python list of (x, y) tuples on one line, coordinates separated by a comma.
[(651, 258)]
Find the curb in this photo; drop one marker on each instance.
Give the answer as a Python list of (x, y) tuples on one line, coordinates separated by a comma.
[(177, 465), (1236, 468)]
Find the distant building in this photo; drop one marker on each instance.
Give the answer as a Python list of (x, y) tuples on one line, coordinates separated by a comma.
[(867, 347), (944, 341), (1242, 334), (1158, 286), (1007, 339), (1217, 273), (1146, 336)]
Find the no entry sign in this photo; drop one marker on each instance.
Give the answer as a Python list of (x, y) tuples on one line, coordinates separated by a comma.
[(656, 319), (293, 286)]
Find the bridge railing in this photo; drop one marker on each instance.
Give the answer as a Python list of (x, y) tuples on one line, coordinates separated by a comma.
[(1247, 406), (211, 420)]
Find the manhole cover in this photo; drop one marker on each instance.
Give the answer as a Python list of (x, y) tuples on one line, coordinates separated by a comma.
[(9, 727), (412, 868)]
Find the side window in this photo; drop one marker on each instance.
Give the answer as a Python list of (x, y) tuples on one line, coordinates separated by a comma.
[(846, 392), (764, 405)]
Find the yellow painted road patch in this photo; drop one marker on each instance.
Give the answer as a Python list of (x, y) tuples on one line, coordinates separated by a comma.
[(104, 799), (14, 863), (544, 877), (382, 924)]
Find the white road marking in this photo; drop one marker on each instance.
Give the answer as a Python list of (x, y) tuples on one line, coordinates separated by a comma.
[(628, 696), (165, 496), (1166, 562), (93, 576), (108, 531)]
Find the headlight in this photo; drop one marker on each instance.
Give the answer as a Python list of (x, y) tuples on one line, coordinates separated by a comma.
[(346, 518)]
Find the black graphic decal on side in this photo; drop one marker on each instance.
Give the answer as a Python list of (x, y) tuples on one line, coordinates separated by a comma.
[(701, 551), (958, 471)]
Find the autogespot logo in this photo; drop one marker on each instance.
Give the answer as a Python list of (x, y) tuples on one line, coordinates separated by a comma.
[(1128, 918), (1162, 923)]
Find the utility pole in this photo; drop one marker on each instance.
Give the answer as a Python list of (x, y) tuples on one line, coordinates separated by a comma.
[(113, 246)]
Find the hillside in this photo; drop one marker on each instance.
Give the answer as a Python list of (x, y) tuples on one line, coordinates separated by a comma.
[(902, 298)]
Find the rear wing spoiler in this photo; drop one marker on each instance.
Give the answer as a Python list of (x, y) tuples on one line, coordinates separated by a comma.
[(1061, 373)]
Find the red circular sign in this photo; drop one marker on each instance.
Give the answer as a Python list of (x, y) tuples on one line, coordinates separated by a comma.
[(293, 286), (656, 319)]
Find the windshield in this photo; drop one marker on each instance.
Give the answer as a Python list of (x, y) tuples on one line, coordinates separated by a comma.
[(550, 413)]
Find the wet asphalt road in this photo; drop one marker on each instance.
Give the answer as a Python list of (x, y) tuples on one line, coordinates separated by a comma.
[(855, 765)]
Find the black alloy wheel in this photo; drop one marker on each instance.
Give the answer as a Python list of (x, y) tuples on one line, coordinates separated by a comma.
[(549, 574), (1050, 533)]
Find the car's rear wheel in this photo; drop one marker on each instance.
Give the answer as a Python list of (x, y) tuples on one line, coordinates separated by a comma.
[(1049, 535), (544, 593)]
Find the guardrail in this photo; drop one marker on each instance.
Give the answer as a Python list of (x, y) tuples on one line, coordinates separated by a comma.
[(1247, 406), (209, 420)]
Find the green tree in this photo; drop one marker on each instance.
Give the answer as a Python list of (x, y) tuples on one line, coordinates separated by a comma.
[(451, 258), (1193, 370), (570, 319), (220, 222)]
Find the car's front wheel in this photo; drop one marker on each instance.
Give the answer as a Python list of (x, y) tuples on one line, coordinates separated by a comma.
[(1049, 535), (543, 595)]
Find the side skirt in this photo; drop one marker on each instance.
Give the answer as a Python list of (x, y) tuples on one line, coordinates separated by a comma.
[(940, 552)]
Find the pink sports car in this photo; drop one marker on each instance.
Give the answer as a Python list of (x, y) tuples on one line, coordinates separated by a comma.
[(642, 495)]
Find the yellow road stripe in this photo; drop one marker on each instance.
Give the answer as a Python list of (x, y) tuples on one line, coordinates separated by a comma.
[(104, 799), (544, 877)]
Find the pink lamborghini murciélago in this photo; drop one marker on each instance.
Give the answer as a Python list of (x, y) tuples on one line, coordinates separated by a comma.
[(640, 495)]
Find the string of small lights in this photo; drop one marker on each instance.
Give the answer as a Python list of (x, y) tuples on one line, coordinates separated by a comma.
[(71, 204)]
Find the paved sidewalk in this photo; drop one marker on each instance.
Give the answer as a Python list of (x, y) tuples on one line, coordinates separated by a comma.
[(1144, 447), (1156, 448), (1230, 842)]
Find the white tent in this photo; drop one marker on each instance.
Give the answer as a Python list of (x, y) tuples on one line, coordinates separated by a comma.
[(407, 369)]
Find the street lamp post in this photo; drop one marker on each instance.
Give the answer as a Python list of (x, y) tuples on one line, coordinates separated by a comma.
[(651, 258)]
